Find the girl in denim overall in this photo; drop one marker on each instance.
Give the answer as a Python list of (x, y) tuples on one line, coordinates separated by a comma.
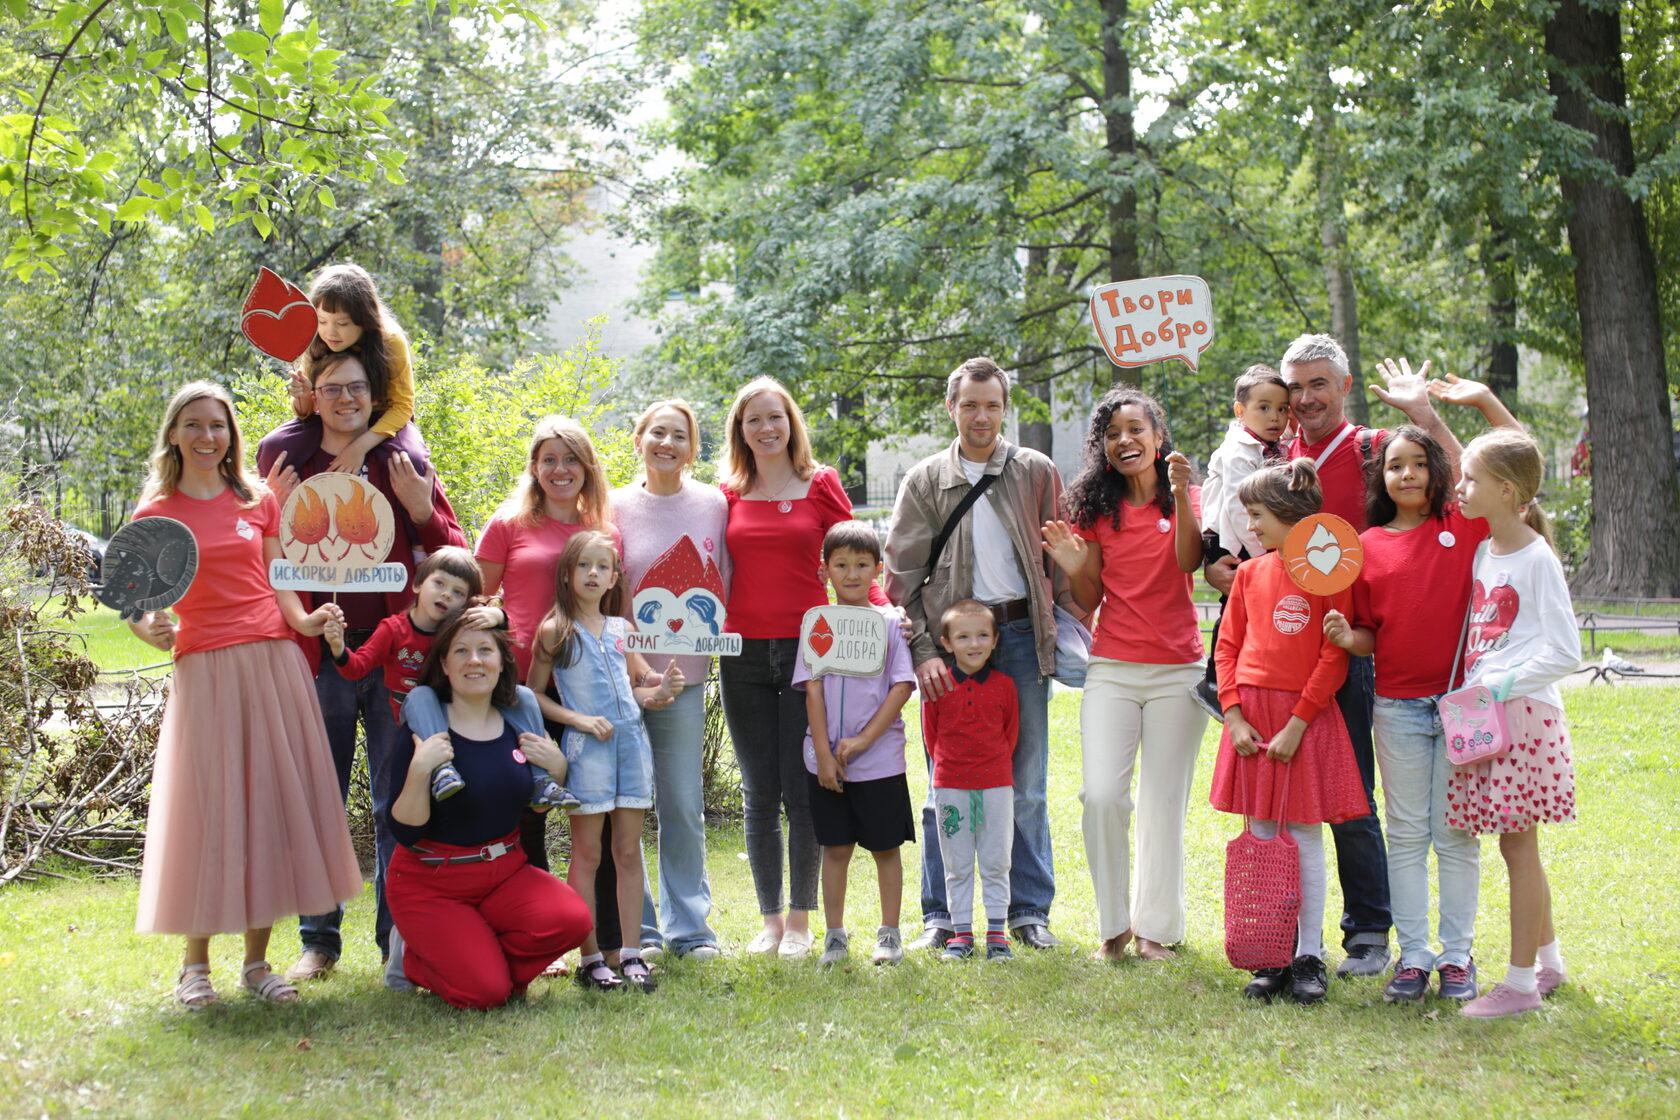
[(603, 689)]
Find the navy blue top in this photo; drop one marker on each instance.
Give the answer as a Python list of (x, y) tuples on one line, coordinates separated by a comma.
[(498, 788)]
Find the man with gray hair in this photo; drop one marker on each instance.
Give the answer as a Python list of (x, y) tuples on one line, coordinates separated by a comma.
[(939, 551), (1315, 367)]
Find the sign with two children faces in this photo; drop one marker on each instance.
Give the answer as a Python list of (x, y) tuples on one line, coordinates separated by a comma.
[(848, 641)]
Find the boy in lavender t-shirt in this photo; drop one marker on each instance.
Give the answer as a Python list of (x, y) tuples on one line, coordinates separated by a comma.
[(854, 753)]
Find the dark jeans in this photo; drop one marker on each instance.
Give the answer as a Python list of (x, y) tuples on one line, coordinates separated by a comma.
[(1361, 861), (766, 717), (343, 702)]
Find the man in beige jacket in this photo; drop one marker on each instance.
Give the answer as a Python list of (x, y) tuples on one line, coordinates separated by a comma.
[(993, 554)]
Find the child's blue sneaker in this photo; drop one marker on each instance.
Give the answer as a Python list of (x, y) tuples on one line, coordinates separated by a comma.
[(552, 795), (959, 948), (447, 782)]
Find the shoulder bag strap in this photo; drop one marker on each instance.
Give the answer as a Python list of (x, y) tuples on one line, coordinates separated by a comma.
[(1464, 631), (963, 507)]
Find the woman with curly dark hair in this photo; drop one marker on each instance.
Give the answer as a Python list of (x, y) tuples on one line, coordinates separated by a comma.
[(1132, 542)]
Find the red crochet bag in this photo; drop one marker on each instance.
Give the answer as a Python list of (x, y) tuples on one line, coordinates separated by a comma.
[(1262, 894)]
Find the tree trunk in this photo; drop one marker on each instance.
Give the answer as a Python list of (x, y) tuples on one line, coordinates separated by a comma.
[(1332, 235), (853, 468), (1122, 152), (1034, 433), (1502, 313), (1635, 543)]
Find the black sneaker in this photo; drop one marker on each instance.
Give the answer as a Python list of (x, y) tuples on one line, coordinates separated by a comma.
[(1308, 982), (1457, 982), (1407, 986), (1363, 960), (1267, 983), (1206, 697)]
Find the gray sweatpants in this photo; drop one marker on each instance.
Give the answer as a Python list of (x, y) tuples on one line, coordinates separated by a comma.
[(976, 823)]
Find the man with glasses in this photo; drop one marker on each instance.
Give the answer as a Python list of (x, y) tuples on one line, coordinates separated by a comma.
[(344, 406)]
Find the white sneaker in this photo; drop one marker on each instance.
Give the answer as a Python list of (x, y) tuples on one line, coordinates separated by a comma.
[(796, 943), (889, 946), (835, 947), (652, 950), (703, 953), (765, 943)]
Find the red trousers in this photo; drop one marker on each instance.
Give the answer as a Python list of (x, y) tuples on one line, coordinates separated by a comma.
[(477, 933)]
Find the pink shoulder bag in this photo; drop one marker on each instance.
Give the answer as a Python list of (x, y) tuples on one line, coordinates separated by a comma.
[(1472, 720)]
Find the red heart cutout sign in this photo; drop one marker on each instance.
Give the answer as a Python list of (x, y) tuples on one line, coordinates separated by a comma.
[(822, 636), (278, 318)]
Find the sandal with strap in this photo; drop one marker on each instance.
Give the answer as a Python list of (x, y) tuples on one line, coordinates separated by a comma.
[(637, 974), (597, 976), (192, 987), (272, 987)]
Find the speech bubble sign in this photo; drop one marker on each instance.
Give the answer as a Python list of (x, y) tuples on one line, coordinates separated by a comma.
[(334, 530), (277, 318), (849, 641), (1322, 554), (1153, 319), (148, 566), (678, 606)]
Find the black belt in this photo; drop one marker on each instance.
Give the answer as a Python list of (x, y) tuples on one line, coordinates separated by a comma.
[(1013, 611), (483, 855)]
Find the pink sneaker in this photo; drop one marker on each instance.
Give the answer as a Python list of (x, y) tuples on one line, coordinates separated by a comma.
[(1548, 980), (1499, 1001)]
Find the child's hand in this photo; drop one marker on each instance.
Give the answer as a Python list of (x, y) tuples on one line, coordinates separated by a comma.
[(315, 622), (847, 749), (599, 726), (1065, 547), (1336, 629), (1286, 742), (303, 393), (333, 632), (545, 752), (831, 773), (671, 684), (482, 618), (1458, 390), (431, 753), (348, 461), (1178, 472), (1244, 739)]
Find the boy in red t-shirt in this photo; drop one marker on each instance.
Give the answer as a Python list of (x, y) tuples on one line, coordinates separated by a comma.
[(970, 736)]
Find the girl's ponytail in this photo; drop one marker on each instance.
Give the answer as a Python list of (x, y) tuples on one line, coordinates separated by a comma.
[(1290, 490), (1536, 519), (1303, 476)]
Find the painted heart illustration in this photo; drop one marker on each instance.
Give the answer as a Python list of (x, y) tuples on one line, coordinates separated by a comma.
[(674, 624), (822, 637), (1491, 616), (278, 318), (1323, 552)]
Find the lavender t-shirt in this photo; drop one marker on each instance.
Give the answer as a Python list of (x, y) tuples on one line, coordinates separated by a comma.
[(851, 702)]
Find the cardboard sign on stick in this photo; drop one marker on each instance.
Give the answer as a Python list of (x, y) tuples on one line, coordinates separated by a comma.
[(678, 606), (335, 532), (1322, 554), (1151, 320), (278, 318), (148, 566), (850, 641)]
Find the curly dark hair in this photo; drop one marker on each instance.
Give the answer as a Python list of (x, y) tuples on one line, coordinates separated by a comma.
[(1099, 491), (1379, 507)]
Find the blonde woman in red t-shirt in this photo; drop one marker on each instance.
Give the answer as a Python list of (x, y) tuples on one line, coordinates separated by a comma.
[(245, 823), (1132, 541)]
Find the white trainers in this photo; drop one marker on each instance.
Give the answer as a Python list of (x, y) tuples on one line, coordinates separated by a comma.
[(796, 943), (764, 944), (835, 947), (889, 946)]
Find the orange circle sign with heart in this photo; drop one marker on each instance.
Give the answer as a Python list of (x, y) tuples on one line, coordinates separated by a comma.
[(1322, 554)]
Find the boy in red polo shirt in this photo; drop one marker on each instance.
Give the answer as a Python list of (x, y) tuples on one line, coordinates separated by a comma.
[(970, 736)]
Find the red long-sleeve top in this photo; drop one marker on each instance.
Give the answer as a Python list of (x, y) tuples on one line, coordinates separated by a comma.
[(400, 648), (1272, 636), (970, 731)]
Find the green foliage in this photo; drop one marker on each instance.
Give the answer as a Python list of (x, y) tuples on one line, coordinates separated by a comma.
[(478, 421)]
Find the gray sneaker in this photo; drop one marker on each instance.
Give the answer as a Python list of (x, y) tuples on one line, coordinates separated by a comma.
[(835, 948), (1364, 960), (933, 937), (889, 946)]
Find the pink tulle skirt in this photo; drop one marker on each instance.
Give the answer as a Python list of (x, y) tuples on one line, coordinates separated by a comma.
[(246, 825), (1324, 782)]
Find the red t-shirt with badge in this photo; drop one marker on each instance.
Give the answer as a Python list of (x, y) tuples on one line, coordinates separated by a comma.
[(1412, 593), (230, 600), (1342, 474), (1146, 615)]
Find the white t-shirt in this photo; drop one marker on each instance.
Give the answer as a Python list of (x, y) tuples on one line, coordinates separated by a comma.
[(997, 573), (1522, 638)]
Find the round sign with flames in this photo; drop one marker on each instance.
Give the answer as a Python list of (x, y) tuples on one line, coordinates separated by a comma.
[(338, 521), (1322, 554)]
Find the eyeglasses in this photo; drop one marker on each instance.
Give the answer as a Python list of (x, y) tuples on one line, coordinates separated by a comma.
[(356, 389)]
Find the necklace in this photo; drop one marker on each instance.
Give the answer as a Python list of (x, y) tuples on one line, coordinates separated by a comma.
[(782, 504)]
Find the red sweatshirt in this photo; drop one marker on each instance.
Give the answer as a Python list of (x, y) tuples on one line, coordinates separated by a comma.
[(398, 645), (1272, 636)]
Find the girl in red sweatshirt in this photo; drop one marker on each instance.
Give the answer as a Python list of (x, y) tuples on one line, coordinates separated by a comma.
[(1278, 677)]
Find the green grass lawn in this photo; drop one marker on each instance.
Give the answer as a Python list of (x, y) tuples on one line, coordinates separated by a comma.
[(87, 1025)]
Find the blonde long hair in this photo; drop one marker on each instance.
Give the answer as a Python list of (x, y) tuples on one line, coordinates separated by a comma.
[(524, 505), (683, 408), (740, 469), (165, 474), (1508, 455)]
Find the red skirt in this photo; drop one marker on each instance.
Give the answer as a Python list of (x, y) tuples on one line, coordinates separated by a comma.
[(1324, 782)]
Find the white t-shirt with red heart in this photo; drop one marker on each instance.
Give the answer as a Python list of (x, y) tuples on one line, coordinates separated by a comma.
[(1522, 638)]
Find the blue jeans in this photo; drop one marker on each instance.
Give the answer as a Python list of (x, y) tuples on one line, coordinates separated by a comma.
[(685, 895), (342, 703), (1032, 874), (1361, 863), (1412, 755)]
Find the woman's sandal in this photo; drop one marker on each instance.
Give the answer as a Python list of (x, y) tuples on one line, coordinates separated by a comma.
[(597, 976), (637, 974), (192, 987), (272, 987)]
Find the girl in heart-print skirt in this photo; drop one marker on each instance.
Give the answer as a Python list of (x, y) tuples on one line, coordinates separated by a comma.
[(1534, 781)]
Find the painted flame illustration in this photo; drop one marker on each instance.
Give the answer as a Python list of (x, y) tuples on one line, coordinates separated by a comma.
[(357, 524)]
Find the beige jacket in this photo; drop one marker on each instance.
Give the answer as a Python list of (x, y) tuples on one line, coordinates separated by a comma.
[(1028, 494)]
